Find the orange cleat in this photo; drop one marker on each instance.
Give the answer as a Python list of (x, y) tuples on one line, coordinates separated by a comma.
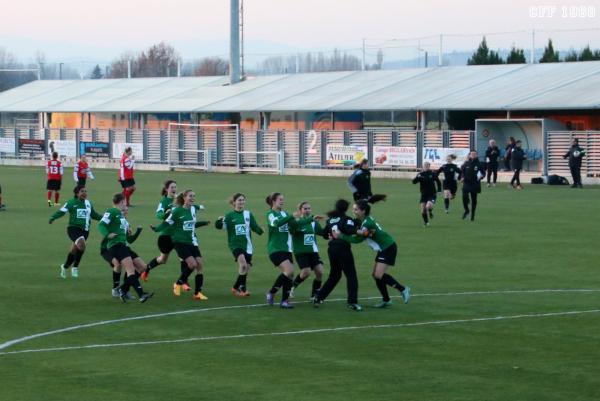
[(235, 292), (243, 294), (145, 275), (200, 297), (176, 289), (186, 287)]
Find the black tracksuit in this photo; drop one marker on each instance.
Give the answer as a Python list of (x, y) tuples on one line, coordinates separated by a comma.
[(507, 155), (428, 181), (341, 259), (516, 163), (471, 184), (360, 183), (575, 163), (491, 155)]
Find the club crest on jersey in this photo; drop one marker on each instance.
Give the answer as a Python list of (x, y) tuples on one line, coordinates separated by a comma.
[(309, 239), (283, 228), (124, 224), (82, 213), (240, 229), (189, 225)]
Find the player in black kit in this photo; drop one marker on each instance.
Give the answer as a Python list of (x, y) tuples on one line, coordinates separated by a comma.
[(428, 180), (491, 158), (451, 174), (472, 172)]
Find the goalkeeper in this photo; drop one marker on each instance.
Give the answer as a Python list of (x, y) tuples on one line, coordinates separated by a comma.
[(575, 156), (472, 172)]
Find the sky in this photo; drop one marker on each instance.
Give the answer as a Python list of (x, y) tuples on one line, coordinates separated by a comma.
[(84, 30)]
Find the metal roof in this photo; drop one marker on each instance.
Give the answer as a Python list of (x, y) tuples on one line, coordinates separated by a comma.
[(496, 87)]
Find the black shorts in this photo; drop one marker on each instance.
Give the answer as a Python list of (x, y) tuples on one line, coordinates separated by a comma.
[(278, 257), (165, 244), (388, 255), (53, 185), (75, 232), (311, 260), (107, 255), (127, 183), (81, 181), (133, 254), (428, 198), (120, 251), (184, 251), (450, 186), (238, 251)]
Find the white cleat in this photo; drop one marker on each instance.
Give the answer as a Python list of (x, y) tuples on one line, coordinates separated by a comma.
[(63, 271), (74, 272)]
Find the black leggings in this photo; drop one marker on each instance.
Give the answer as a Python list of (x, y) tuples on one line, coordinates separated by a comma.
[(465, 199), (516, 177), (492, 169), (341, 260), (576, 174)]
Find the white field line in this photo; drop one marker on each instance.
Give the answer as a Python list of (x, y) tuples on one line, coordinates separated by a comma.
[(10, 343), (309, 331)]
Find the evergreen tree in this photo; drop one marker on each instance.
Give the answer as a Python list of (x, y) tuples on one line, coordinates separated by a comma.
[(550, 56), (586, 54), (96, 73), (483, 55), (572, 56), (516, 56)]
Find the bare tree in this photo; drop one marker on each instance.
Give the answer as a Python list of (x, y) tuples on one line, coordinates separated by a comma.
[(211, 66)]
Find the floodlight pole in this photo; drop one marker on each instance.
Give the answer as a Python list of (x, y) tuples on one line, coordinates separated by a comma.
[(532, 55), (440, 61), (364, 51)]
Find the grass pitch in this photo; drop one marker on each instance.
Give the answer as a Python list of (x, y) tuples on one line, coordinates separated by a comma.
[(442, 346)]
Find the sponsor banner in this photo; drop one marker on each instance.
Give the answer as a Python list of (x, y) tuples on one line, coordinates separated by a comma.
[(7, 145), (345, 155), (94, 149), (395, 156), (33, 146), (64, 148), (437, 156), (118, 148)]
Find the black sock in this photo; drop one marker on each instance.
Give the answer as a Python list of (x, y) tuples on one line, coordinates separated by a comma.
[(126, 284), (77, 258), (389, 280), (430, 213), (447, 203), (473, 207), (236, 285), (199, 282), (425, 218), (287, 286), (135, 283), (316, 284), (116, 279), (183, 267), (153, 263), (242, 278), (137, 274), (278, 283), (184, 275), (297, 281), (382, 289), (69, 261)]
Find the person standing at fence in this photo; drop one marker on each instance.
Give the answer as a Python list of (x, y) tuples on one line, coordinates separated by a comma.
[(472, 172), (575, 155), (126, 174), (516, 162), (510, 145), (360, 180), (54, 173), (451, 174), (492, 154), (82, 171), (430, 185), (239, 224)]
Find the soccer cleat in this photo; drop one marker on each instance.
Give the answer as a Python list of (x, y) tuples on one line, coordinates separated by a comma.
[(426, 225), (244, 293), (145, 275), (317, 302), (488, 185), (286, 305), (431, 214), (235, 292), (186, 287), (465, 214), (270, 298), (519, 187), (446, 210), (49, 203), (146, 296), (123, 295), (177, 289), (200, 297), (405, 294), (383, 304), (129, 296), (74, 272), (63, 271), (291, 295), (355, 307), (115, 292)]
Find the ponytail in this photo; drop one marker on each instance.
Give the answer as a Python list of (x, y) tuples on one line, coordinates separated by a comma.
[(271, 198)]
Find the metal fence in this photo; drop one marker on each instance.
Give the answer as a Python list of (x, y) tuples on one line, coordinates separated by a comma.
[(559, 143)]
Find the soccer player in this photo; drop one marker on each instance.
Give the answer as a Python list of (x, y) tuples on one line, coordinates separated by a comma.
[(360, 180), (516, 163), (472, 172), (239, 224), (126, 174), (54, 172), (280, 248), (183, 220), (306, 252), (114, 228), (428, 180), (340, 255), (575, 155), (491, 158), (82, 171), (385, 246), (2, 205), (451, 173), (81, 212)]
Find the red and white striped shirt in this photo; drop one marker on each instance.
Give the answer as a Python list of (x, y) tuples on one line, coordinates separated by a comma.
[(82, 170), (54, 169), (126, 170)]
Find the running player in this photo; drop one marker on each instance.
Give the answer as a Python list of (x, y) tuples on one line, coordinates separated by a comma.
[(451, 172), (239, 224), (305, 249), (126, 174), (360, 180), (428, 180), (82, 171), (80, 211), (472, 172), (115, 228), (183, 220), (54, 172)]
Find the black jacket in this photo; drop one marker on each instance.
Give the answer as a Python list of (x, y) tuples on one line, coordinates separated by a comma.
[(516, 158), (470, 171), (360, 182), (492, 153), (575, 155), (428, 180), (342, 223)]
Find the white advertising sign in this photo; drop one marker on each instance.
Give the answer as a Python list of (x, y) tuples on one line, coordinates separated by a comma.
[(7, 145), (395, 156), (118, 148), (437, 156), (64, 148)]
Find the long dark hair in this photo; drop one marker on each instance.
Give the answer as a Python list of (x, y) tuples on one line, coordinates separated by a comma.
[(339, 208), (365, 204), (180, 199), (271, 198), (77, 189), (166, 185)]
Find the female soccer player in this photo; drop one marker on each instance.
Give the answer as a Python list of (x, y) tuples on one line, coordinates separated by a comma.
[(82, 171), (54, 172), (360, 180), (340, 255), (386, 249), (126, 174), (428, 180), (239, 224), (114, 228), (185, 242), (80, 211), (472, 172), (280, 249), (451, 172), (304, 241)]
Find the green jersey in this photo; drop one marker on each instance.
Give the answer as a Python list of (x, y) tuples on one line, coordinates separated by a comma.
[(162, 211), (304, 237), (130, 239), (239, 226), (280, 239), (80, 213), (183, 222), (379, 240), (113, 222)]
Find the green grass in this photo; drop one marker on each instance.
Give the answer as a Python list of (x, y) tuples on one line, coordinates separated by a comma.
[(540, 238)]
